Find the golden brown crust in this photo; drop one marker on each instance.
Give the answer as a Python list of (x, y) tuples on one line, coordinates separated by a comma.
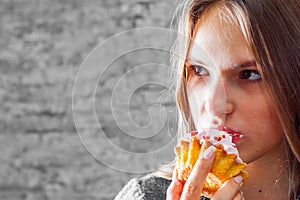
[(224, 167)]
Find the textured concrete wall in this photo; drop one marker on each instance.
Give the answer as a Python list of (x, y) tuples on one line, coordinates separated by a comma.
[(43, 43)]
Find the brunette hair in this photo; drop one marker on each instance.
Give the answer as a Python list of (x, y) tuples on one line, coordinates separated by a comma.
[(271, 28)]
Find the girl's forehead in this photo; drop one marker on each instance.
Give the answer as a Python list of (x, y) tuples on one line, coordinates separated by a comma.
[(218, 42), (220, 21)]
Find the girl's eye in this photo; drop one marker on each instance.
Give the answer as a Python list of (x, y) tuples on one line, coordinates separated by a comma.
[(251, 75), (199, 70)]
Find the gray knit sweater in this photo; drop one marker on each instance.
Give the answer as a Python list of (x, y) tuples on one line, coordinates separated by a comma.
[(145, 188), (148, 188)]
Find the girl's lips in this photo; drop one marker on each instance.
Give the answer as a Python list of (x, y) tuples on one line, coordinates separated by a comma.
[(236, 136)]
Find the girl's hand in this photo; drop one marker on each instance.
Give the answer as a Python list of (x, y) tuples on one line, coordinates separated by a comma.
[(230, 190), (192, 189)]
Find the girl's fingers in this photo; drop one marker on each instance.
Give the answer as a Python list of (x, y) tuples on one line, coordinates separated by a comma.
[(175, 189), (191, 190), (193, 186), (230, 190)]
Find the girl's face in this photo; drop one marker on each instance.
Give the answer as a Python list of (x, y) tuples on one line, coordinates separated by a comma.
[(224, 83)]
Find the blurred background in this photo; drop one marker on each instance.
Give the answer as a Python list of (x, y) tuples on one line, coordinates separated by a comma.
[(44, 154)]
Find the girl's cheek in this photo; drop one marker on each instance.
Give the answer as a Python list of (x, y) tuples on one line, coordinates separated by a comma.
[(194, 104), (196, 101)]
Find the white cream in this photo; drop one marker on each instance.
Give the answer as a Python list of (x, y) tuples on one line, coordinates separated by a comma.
[(216, 137)]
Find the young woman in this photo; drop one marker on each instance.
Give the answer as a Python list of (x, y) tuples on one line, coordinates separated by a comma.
[(242, 68)]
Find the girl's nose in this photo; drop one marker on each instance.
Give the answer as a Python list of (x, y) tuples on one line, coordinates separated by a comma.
[(218, 102)]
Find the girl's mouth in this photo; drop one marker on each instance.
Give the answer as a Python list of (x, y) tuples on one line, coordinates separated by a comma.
[(236, 136)]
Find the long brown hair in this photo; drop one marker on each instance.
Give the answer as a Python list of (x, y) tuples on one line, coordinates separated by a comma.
[(271, 27)]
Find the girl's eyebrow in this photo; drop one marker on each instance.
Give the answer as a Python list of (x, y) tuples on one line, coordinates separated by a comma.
[(244, 64), (190, 60)]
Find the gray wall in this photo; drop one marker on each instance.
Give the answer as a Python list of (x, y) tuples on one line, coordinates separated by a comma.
[(43, 44)]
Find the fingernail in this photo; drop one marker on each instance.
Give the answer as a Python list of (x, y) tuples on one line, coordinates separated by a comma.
[(238, 179), (208, 154)]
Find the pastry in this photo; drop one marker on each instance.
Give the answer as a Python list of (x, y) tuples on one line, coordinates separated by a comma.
[(227, 163)]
